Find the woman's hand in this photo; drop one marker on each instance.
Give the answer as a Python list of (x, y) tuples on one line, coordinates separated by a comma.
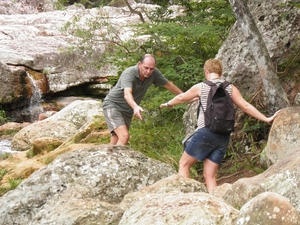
[(270, 119), (166, 105)]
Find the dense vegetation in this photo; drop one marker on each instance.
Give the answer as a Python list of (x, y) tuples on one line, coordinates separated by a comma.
[(3, 118)]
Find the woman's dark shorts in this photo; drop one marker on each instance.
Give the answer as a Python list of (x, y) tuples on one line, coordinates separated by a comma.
[(206, 144)]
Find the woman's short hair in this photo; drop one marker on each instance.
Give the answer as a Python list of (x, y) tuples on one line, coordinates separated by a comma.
[(213, 66)]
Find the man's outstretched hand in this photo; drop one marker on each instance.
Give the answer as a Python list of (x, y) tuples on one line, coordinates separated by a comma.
[(137, 112)]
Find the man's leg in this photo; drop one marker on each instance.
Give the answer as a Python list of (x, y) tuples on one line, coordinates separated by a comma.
[(113, 138), (118, 125), (121, 137)]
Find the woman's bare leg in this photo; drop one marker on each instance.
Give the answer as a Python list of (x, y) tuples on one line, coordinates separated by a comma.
[(209, 172), (185, 163)]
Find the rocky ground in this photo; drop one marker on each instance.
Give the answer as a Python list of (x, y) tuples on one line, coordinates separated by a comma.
[(19, 165)]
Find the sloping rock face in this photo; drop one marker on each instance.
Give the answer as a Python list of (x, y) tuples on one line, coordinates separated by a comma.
[(35, 46), (279, 25), (282, 177), (11, 7), (81, 187)]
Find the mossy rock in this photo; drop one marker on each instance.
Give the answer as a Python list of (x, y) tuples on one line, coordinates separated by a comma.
[(45, 145)]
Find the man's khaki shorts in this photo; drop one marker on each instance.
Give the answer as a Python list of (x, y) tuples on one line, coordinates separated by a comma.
[(114, 118)]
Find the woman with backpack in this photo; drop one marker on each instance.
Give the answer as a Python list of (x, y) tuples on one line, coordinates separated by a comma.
[(207, 145)]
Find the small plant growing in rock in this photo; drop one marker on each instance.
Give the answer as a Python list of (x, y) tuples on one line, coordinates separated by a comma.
[(4, 156), (48, 160), (14, 182), (30, 154), (3, 118), (3, 190), (2, 173)]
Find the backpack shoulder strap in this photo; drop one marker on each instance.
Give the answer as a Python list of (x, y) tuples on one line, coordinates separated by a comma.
[(225, 84), (208, 82), (200, 104)]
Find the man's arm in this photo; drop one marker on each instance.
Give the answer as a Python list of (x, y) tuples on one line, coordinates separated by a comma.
[(173, 88), (130, 100)]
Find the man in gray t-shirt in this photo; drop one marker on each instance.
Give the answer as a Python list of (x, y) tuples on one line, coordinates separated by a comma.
[(122, 102)]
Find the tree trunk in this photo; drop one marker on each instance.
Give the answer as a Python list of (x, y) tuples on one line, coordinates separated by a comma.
[(276, 96)]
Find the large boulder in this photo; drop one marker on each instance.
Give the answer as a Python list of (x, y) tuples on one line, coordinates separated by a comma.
[(57, 130), (280, 34), (61, 126), (176, 200), (14, 86), (268, 208), (282, 141), (283, 178), (177, 208), (175, 183), (81, 187)]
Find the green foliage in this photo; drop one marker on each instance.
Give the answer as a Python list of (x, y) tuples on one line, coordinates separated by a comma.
[(3, 190), (252, 124), (49, 160), (4, 156), (182, 44), (3, 118), (254, 132), (289, 66), (184, 72), (60, 4), (30, 153), (14, 182), (2, 173), (160, 133)]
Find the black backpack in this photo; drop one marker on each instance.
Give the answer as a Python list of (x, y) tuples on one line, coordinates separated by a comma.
[(220, 112)]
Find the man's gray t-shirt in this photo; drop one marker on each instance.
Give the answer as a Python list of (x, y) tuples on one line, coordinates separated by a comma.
[(130, 79)]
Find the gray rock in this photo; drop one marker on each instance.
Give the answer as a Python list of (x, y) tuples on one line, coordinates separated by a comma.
[(180, 208), (282, 141), (81, 187), (279, 33), (283, 178), (175, 183), (60, 130), (268, 208), (62, 126)]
